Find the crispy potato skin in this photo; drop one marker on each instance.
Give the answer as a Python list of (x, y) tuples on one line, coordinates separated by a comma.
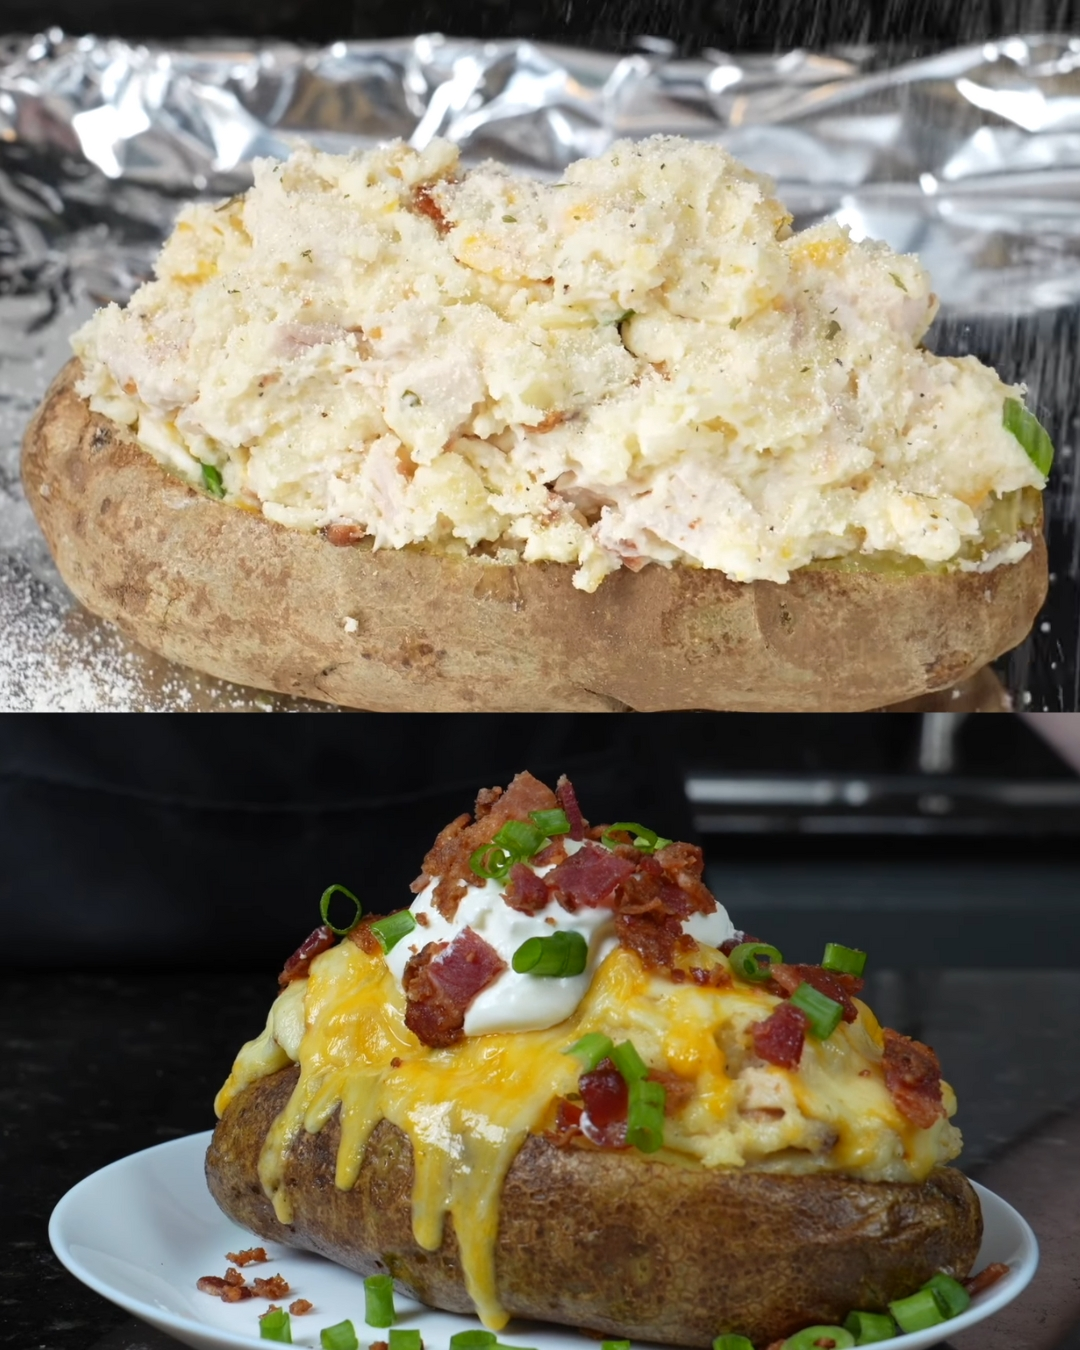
[(235, 595), (610, 1242)]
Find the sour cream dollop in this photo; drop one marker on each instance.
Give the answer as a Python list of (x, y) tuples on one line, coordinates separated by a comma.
[(514, 1002)]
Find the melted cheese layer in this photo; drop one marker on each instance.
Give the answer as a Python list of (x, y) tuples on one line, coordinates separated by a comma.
[(466, 1110)]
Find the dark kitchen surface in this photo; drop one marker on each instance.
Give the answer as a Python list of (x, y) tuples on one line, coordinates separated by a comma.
[(99, 1066)]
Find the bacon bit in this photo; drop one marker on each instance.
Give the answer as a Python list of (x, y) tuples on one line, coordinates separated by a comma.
[(395, 1063), (779, 1039), (729, 946), (655, 937), (785, 979), (606, 1098), (553, 854), (588, 878), (678, 976), (677, 1090), (319, 940), (913, 1077), (236, 1293), (275, 1287), (211, 1284), (441, 981), (234, 1277), (425, 205), (525, 891), (567, 1124), (364, 938), (716, 977), (567, 798), (299, 1306), (342, 535), (380, 1345), (978, 1284), (422, 919), (249, 1256), (448, 858)]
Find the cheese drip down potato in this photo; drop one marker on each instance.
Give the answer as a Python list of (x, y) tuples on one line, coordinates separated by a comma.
[(546, 420), (420, 1111)]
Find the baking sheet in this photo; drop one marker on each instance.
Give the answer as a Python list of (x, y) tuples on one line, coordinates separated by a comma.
[(970, 157)]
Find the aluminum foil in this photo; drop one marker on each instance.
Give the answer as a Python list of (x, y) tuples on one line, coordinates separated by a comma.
[(970, 157)]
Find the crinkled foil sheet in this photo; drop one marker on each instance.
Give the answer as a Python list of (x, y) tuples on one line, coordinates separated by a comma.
[(970, 157)]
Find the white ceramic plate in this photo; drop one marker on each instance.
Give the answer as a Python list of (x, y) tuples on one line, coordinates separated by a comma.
[(143, 1230)]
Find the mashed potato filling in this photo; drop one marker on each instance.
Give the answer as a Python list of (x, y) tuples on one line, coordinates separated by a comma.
[(639, 363)]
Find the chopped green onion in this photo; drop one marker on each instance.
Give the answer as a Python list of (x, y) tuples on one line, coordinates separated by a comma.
[(391, 929), (520, 838), (868, 1327), (551, 822), (812, 1337), (324, 909), (562, 954), (732, 1343), (823, 1012), (917, 1312), (628, 1062), (476, 1339), (952, 1298), (645, 1115), (898, 279), (846, 960), (379, 1301), (211, 478), (1031, 434), (492, 862), (614, 1345), (339, 1337), (832, 329), (591, 1049), (411, 398), (645, 840), (405, 1338), (746, 960), (510, 220), (276, 1326)]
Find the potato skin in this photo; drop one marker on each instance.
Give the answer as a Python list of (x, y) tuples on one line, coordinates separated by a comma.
[(232, 594), (610, 1242)]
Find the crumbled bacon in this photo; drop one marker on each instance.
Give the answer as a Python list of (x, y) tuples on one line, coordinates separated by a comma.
[(567, 1123), (219, 1288), (977, 1284), (364, 938), (677, 1090), (233, 1276), (442, 980), (785, 979), (656, 937), (736, 941), (604, 1093), (525, 891), (913, 1077), (424, 204), (299, 1306), (448, 858), (588, 878), (296, 967), (781, 1036), (343, 535), (249, 1256), (567, 797), (275, 1287), (716, 977)]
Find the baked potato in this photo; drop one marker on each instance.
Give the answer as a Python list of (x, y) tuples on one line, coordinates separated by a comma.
[(463, 439), (236, 595), (447, 1096)]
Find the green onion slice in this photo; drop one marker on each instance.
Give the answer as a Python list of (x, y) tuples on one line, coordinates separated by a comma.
[(628, 1062), (868, 1327), (492, 862), (476, 1339), (732, 1343), (520, 838), (1031, 434), (324, 909), (823, 1012), (846, 960), (379, 1301), (211, 478), (917, 1312), (405, 1338), (391, 929), (614, 1345), (746, 960), (342, 1336), (810, 1337), (645, 840), (551, 822), (563, 953), (276, 1326), (591, 1049), (951, 1296), (645, 1114)]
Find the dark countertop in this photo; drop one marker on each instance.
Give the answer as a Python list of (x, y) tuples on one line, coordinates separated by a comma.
[(100, 1066)]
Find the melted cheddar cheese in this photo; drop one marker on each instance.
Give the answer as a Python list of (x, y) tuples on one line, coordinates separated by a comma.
[(468, 1108)]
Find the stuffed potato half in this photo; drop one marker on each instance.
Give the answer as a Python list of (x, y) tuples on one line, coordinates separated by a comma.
[(421, 1102), (232, 593)]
